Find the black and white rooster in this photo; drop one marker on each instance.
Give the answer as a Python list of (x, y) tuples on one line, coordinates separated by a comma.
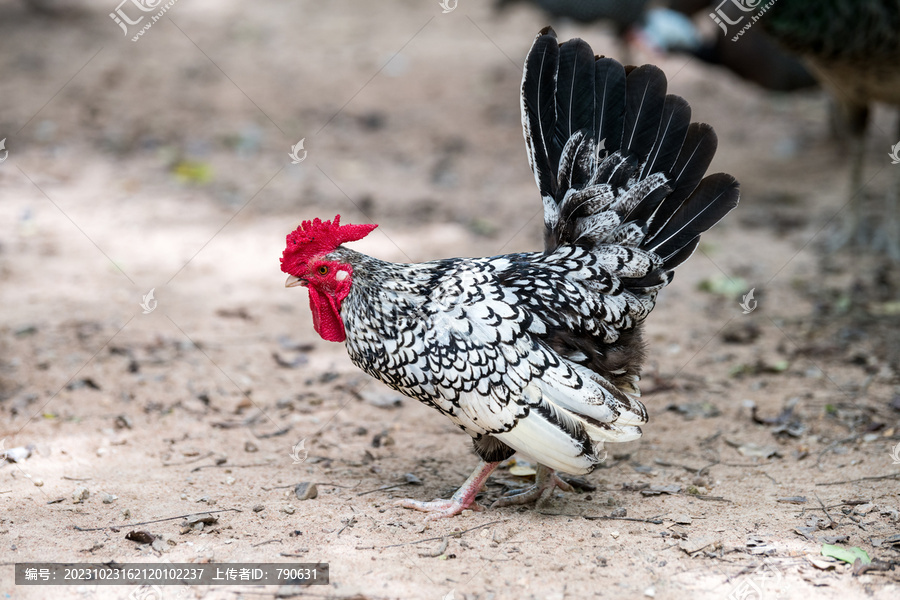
[(537, 352)]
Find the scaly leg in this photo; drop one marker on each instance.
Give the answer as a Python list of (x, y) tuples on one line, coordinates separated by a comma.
[(463, 498), (545, 482)]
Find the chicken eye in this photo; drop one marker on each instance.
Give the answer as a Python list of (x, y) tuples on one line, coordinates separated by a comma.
[(323, 270)]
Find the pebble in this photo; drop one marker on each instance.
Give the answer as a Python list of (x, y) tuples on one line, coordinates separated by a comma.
[(80, 495), (39, 483), (109, 498), (306, 490)]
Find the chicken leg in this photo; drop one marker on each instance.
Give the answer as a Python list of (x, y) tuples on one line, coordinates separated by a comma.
[(463, 498)]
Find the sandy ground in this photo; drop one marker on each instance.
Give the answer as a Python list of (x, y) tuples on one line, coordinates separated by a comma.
[(163, 164)]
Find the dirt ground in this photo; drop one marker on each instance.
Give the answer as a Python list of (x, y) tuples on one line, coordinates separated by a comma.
[(163, 164)]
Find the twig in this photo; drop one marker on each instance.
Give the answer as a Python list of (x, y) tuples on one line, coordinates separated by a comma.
[(266, 542), (292, 485), (825, 510), (385, 487), (653, 520), (75, 478), (852, 438), (440, 537), (441, 549), (880, 477), (203, 512), (225, 465), (187, 462)]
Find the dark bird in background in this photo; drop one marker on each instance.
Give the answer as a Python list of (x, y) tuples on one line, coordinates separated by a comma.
[(623, 15), (755, 56), (853, 48), (537, 352)]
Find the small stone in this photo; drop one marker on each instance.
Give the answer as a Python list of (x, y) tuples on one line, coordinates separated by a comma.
[(619, 512), (306, 490), (288, 509), (614, 534), (38, 482), (109, 498), (80, 495), (250, 447), (259, 508), (230, 480), (650, 592)]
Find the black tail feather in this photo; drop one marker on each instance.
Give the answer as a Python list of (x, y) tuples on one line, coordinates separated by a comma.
[(673, 127), (575, 94), (713, 199), (645, 95), (539, 108), (609, 78), (696, 153)]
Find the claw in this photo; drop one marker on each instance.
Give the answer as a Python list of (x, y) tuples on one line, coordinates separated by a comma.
[(463, 499), (440, 508), (545, 482)]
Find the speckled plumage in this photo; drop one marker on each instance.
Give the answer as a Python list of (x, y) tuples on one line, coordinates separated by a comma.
[(478, 338)]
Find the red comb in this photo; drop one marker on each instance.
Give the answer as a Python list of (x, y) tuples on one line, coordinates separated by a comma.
[(317, 237)]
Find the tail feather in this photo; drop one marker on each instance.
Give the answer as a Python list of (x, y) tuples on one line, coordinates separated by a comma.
[(609, 78), (645, 95), (676, 118), (539, 108), (575, 94), (696, 153), (616, 159), (713, 199)]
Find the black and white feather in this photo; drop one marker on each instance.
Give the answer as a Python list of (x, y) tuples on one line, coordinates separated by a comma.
[(541, 352)]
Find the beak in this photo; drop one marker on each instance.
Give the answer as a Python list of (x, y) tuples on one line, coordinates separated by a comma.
[(294, 281)]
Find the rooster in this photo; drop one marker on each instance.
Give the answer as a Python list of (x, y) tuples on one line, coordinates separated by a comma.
[(537, 352)]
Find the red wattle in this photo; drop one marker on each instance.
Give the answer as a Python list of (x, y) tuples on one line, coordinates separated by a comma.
[(326, 316)]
